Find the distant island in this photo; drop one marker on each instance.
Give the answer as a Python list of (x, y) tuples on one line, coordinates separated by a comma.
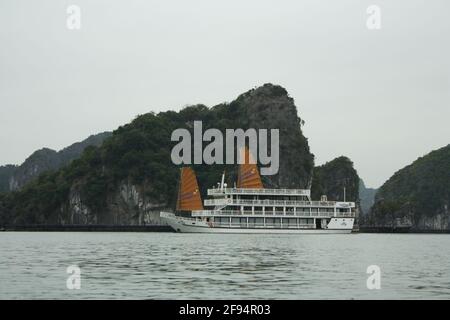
[(13, 177), (417, 196)]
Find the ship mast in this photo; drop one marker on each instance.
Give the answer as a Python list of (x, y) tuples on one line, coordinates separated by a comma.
[(222, 181)]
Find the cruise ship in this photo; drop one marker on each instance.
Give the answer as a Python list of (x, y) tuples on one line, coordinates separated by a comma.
[(251, 208)]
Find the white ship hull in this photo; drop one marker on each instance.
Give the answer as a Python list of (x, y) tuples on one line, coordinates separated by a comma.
[(188, 225)]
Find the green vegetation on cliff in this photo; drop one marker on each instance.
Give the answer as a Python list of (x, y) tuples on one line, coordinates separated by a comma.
[(44, 160), (138, 154), (331, 178), (6, 172), (417, 195)]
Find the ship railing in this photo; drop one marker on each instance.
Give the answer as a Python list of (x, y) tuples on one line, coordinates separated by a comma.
[(186, 218), (321, 214), (215, 202), (261, 225), (302, 192), (285, 203), (294, 214)]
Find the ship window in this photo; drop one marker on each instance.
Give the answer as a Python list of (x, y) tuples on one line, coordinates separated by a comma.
[(306, 221), (221, 220), (235, 220), (273, 222), (279, 209)]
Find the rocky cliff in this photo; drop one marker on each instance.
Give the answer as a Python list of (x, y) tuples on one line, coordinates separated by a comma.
[(366, 197), (331, 178), (130, 177), (15, 177), (6, 172), (271, 107), (339, 181), (417, 196)]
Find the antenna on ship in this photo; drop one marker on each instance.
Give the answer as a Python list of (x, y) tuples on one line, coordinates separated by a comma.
[(344, 194), (222, 182)]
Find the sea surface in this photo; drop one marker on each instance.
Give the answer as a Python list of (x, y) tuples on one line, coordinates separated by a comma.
[(115, 265)]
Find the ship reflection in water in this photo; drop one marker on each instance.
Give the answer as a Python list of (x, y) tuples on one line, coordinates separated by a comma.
[(225, 266)]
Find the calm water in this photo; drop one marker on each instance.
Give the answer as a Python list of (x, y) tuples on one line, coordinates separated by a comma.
[(202, 266)]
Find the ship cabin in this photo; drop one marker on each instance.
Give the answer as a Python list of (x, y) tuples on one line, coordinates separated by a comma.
[(250, 205), (266, 208)]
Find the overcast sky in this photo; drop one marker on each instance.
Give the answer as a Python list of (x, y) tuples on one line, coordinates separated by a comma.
[(380, 97)]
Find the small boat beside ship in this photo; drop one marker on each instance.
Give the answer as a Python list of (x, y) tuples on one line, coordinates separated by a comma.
[(251, 208)]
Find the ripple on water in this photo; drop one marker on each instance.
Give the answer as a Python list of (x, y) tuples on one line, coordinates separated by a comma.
[(177, 266)]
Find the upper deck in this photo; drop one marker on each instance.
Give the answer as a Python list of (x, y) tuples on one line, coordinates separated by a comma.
[(284, 203), (269, 192)]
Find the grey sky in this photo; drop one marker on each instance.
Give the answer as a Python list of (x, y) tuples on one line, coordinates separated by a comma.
[(380, 97)]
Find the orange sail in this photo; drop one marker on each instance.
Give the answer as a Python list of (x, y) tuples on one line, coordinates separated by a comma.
[(188, 193), (248, 174)]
